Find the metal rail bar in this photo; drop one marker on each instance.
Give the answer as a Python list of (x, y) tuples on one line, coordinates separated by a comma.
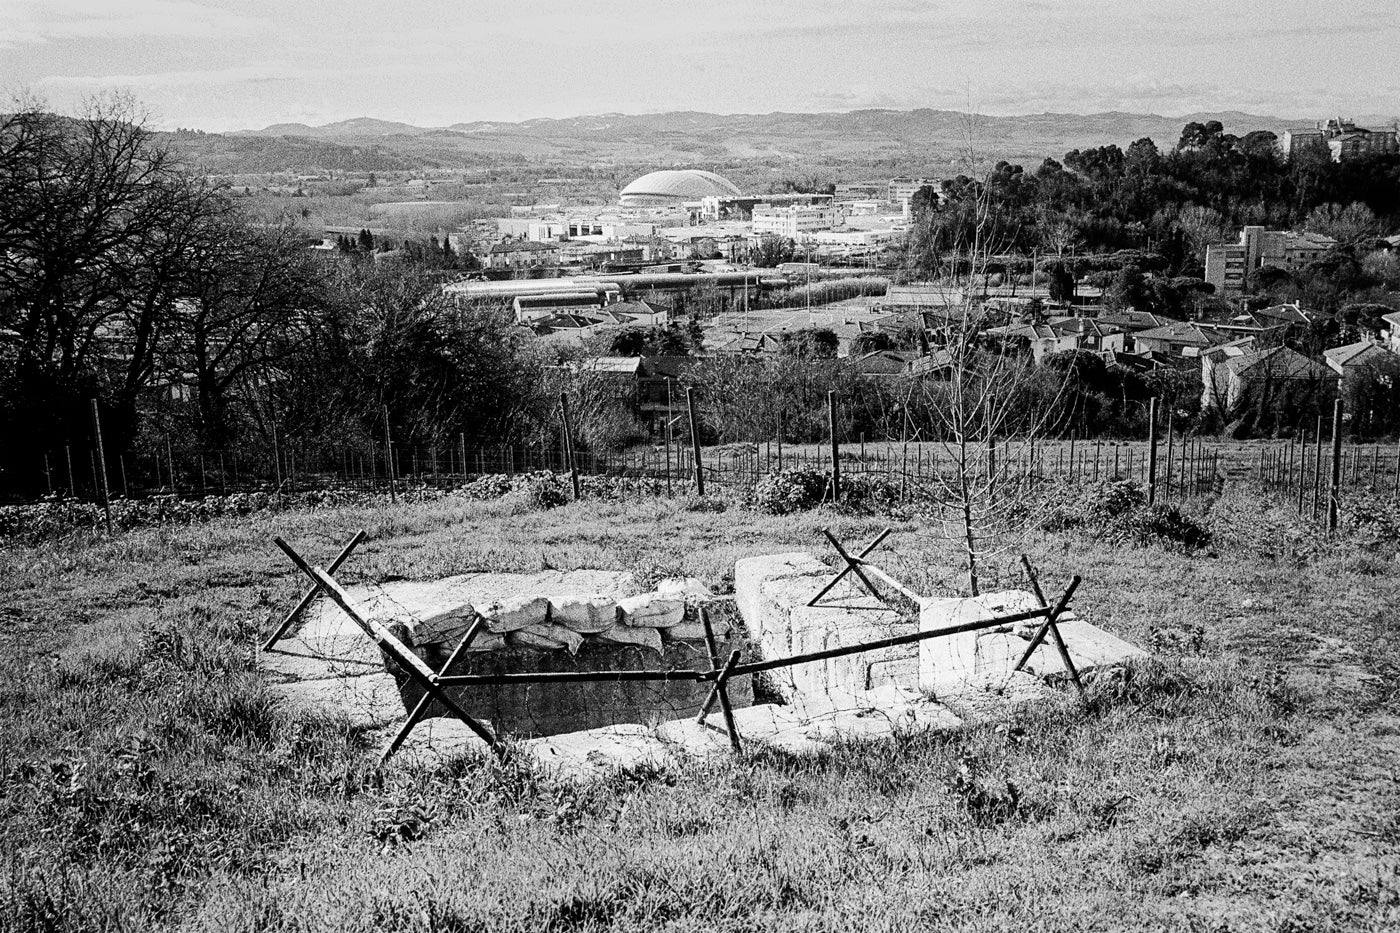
[(563, 677), (913, 637)]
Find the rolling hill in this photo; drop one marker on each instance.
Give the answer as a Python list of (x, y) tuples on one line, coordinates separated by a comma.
[(891, 139)]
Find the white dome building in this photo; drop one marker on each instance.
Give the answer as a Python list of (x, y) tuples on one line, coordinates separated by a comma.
[(670, 187)]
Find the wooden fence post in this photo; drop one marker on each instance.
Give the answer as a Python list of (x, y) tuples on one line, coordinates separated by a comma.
[(1152, 452), (1334, 499), (835, 447), (102, 465), (695, 439), (1317, 472), (569, 451), (389, 457)]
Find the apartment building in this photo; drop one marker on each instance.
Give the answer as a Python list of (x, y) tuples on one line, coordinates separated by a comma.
[(1229, 266)]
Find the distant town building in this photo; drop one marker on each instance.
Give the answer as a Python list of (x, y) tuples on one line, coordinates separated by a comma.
[(1392, 333), (1266, 380), (673, 187), (794, 221), (1229, 266), (1353, 358), (902, 189), (741, 207), (1342, 140)]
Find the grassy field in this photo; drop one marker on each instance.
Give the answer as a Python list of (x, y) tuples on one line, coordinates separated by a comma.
[(1249, 780)]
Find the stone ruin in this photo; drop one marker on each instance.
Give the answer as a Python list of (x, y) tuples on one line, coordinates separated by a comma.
[(598, 621)]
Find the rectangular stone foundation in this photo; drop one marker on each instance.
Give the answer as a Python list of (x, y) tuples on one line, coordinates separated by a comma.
[(532, 709)]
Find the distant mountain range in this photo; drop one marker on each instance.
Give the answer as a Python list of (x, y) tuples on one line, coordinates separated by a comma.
[(885, 137)]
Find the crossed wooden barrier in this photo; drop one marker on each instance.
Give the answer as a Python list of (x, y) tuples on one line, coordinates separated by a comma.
[(435, 684)]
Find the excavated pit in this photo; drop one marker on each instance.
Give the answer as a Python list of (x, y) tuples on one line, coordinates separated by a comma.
[(557, 621)]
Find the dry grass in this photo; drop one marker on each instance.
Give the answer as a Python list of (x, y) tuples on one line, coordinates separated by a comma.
[(1250, 780)]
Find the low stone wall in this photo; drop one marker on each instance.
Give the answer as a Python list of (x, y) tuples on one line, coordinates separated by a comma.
[(553, 708), (530, 633)]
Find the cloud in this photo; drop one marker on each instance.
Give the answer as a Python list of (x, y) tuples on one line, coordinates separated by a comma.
[(31, 22)]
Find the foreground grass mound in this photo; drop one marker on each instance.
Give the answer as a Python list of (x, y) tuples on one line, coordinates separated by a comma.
[(1245, 780)]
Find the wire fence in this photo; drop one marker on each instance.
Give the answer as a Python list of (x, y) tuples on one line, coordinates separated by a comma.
[(1173, 465)]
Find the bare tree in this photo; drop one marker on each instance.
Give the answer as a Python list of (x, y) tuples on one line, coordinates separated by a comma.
[(987, 414)]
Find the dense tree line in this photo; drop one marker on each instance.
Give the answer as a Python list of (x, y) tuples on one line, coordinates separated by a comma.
[(1149, 215), (126, 279)]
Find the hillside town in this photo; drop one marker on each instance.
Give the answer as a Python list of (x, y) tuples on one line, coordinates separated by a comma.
[(770, 266)]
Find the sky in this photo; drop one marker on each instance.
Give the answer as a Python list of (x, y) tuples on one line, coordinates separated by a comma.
[(220, 65)]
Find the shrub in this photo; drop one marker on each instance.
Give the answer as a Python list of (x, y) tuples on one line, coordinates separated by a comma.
[(791, 491), (1117, 511), (542, 490), (1156, 524), (1372, 521), (868, 492)]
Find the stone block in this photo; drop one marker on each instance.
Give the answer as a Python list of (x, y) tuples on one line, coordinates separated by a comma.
[(652, 610), (444, 627), (584, 614), (950, 659), (515, 613), (751, 573), (547, 637)]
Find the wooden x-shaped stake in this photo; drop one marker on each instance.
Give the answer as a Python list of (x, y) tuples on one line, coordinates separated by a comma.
[(426, 700), (310, 594), (720, 690), (1050, 626), (411, 664), (853, 564)]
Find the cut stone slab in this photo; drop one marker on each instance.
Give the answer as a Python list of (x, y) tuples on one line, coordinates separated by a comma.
[(435, 742), (1090, 648), (773, 594), (687, 738), (993, 698), (812, 724), (899, 708), (751, 573), (949, 660), (595, 752), (368, 700)]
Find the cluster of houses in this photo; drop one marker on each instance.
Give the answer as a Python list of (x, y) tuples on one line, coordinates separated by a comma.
[(1274, 351)]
